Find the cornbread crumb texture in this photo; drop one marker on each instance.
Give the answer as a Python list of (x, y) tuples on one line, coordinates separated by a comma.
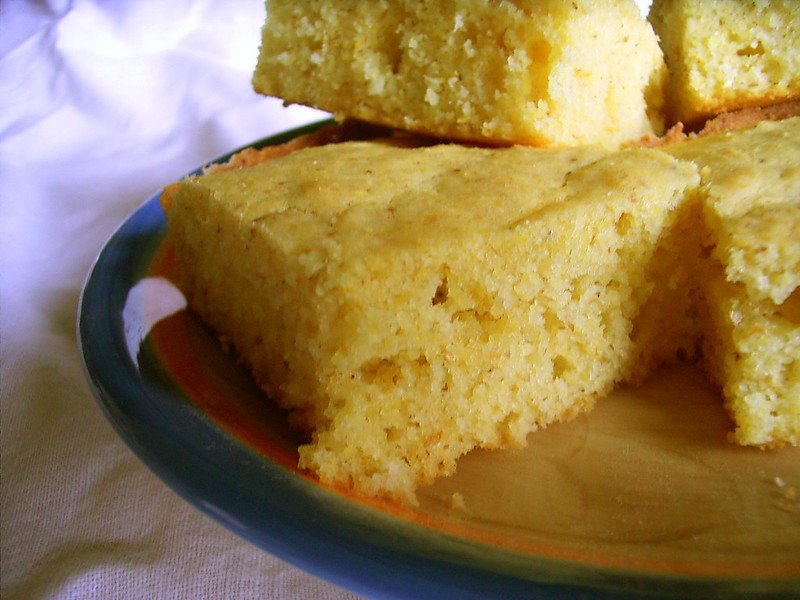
[(542, 73), (409, 305), (752, 202), (727, 54), (411, 312)]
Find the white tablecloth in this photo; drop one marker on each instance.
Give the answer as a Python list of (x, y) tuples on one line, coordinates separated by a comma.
[(101, 103)]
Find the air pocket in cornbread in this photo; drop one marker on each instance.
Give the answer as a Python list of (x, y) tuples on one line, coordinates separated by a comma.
[(409, 304), (554, 73)]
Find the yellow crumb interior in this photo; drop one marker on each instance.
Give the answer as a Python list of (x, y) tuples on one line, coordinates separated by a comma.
[(724, 55), (541, 73)]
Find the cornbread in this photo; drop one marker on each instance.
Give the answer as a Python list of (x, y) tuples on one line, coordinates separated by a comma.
[(409, 304), (554, 73), (751, 182), (727, 54)]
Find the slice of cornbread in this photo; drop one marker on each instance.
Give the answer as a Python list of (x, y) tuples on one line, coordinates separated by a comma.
[(751, 185), (727, 54), (550, 73), (408, 305)]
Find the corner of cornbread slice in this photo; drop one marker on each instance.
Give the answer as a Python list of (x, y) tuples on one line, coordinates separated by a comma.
[(553, 73), (725, 55), (408, 305)]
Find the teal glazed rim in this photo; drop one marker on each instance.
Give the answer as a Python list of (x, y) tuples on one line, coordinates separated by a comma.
[(334, 537)]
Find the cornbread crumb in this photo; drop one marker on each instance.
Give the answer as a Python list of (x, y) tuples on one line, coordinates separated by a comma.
[(456, 502), (725, 55), (543, 73)]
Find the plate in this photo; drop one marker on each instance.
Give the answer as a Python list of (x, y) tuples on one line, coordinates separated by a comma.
[(642, 495)]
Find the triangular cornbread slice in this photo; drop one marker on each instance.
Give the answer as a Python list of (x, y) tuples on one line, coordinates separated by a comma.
[(408, 305)]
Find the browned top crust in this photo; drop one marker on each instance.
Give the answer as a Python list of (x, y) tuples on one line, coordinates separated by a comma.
[(749, 117)]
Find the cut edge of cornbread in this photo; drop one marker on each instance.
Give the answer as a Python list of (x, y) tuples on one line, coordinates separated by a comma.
[(725, 56), (555, 74), (423, 348), (683, 250), (752, 299)]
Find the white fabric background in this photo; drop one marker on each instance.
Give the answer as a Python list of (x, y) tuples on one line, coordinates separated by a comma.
[(101, 103)]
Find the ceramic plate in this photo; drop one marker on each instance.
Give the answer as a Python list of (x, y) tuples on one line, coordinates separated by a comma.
[(643, 495)]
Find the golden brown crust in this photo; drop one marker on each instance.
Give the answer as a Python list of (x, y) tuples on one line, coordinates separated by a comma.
[(673, 134), (749, 117), (727, 121)]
